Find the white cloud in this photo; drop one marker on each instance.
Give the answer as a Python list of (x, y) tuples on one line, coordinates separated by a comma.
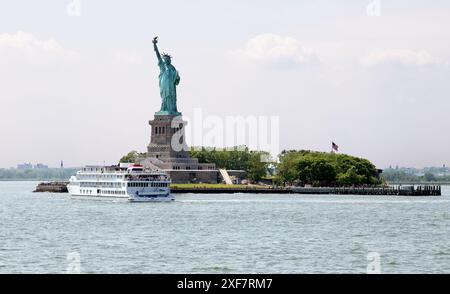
[(26, 47), (271, 49), (403, 57)]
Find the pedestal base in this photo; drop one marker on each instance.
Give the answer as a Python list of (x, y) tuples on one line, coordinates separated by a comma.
[(168, 151)]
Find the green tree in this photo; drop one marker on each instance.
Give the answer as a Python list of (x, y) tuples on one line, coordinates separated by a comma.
[(350, 177), (325, 169), (288, 169), (257, 166), (316, 171), (131, 157), (235, 158)]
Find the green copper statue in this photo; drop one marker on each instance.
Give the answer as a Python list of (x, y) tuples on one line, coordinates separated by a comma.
[(168, 80)]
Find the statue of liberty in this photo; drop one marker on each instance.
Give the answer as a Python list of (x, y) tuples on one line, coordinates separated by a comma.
[(168, 80)]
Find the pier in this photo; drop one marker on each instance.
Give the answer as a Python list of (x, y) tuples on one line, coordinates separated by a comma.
[(411, 190), (380, 191)]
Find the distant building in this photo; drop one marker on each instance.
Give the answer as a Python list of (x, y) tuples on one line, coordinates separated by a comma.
[(40, 166), (30, 166), (25, 166)]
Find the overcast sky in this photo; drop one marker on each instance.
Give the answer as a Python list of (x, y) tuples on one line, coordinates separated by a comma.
[(82, 88)]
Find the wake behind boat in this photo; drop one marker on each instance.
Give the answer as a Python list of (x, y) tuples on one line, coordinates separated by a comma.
[(126, 181)]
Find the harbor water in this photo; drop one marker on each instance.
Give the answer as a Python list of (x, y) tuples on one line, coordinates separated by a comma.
[(237, 233)]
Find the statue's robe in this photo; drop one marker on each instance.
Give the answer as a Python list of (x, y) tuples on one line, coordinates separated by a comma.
[(168, 79)]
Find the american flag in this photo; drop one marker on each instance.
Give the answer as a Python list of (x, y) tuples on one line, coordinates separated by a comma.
[(334, 146)]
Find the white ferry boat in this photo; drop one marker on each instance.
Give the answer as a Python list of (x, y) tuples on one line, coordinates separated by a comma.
[(127, 181)]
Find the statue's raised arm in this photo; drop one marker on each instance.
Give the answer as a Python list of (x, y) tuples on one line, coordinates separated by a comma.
[(155, 47)]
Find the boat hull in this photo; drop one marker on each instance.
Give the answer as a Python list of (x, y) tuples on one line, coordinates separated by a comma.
[(132, 195)]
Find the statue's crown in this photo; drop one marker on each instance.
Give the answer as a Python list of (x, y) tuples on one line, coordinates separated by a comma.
[(167, 55)]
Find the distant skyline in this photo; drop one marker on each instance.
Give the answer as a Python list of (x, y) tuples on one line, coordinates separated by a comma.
[(81, 85)]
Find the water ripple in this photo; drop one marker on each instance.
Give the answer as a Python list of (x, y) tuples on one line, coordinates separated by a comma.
[(223, 233)]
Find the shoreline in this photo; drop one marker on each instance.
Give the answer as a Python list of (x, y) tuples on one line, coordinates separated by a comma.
[(423, 190)]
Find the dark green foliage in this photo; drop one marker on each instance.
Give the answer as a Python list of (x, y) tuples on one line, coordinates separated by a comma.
[(131, 157), (318, 172), (256, 168), (236, 158), (325, 169)]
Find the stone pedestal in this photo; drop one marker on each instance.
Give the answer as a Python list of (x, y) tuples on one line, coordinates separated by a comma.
[(168, 147), (164, 128)]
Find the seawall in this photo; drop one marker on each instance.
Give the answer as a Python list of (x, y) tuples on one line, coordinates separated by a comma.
[(435, 190)]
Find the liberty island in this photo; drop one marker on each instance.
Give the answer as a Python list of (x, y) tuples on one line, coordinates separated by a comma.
[(299, 172)]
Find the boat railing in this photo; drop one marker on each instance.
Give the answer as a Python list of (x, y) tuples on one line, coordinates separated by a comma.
[(147, 179)]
